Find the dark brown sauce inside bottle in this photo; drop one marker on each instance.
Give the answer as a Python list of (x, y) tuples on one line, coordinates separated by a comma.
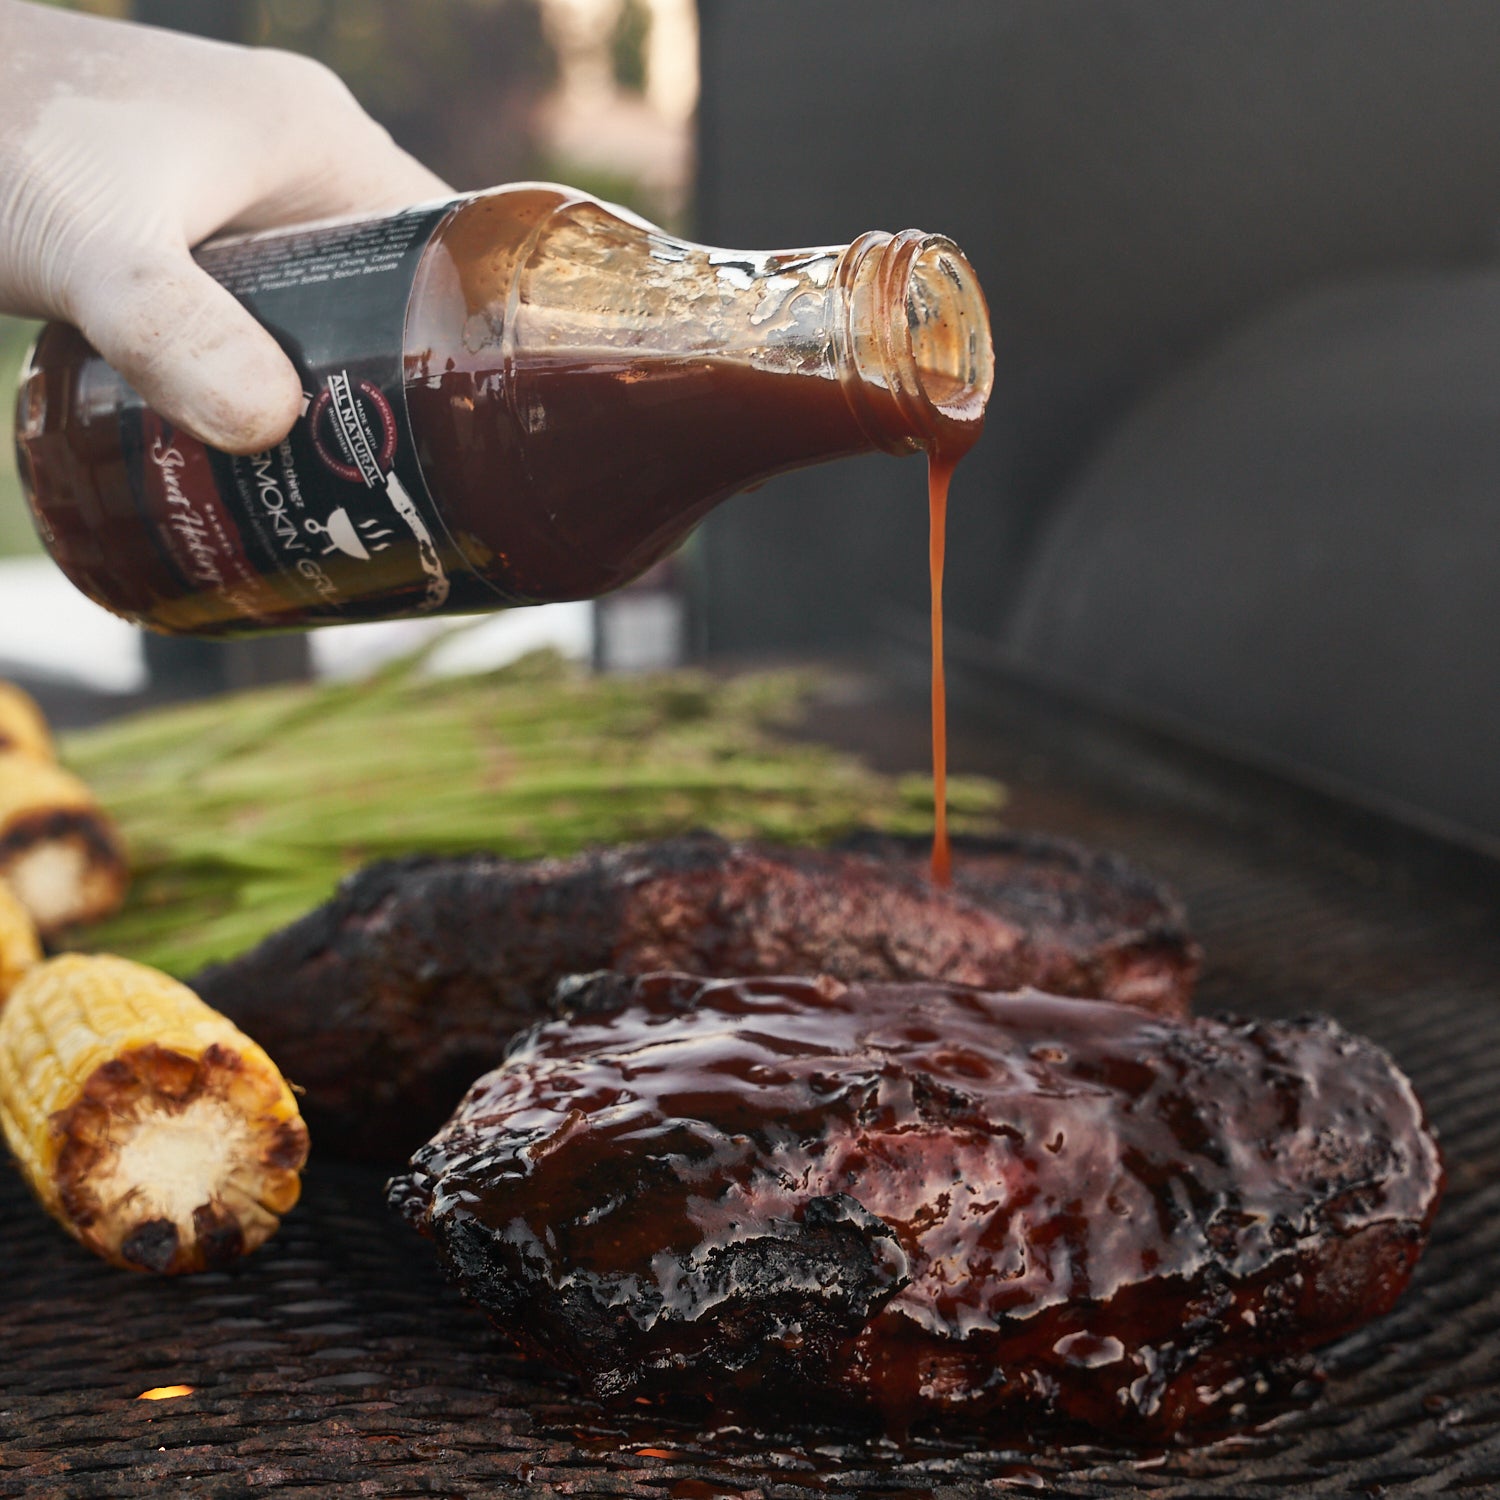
[(617, 466), (600, 470), (74, 471)]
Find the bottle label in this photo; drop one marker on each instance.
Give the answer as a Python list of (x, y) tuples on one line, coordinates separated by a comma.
[(335, 523)]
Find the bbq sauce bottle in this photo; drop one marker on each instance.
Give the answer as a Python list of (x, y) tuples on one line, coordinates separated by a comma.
[(513, 397)]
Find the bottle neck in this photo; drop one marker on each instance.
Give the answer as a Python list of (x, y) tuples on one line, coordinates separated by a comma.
[(896, 321), (912, 342)]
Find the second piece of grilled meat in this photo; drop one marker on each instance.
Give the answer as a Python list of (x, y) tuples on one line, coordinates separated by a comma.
[(925, 1201), (388, 1001)]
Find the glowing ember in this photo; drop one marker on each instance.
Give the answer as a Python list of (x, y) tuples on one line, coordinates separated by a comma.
[(166, 1392)]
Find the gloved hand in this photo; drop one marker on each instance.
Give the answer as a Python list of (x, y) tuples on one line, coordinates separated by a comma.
[(121, 147)]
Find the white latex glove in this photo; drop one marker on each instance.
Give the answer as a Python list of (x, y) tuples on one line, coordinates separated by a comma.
[(122, 146)]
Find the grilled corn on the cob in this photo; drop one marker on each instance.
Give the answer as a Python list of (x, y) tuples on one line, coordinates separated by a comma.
[(23, 726), (20, 948), (153, 1130), (58, 850)]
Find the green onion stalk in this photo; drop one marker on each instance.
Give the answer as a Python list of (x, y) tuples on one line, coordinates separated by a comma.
[(242, 813)]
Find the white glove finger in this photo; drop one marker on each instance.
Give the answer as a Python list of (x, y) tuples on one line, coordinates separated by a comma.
[(381, 178), (325, 157), (194, 354)]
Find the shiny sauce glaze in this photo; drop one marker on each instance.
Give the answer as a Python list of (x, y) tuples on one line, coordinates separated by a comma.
[(928, 1201)]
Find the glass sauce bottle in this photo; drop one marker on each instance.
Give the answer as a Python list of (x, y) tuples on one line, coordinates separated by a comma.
[(518, 396)]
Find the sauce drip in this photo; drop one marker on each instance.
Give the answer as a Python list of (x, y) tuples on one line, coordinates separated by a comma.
[(939, 472)]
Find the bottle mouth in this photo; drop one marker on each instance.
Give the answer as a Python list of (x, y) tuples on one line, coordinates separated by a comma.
[(948, 329), (918, 331)]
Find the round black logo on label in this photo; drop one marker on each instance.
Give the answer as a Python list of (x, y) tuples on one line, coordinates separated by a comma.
[(339, 448)]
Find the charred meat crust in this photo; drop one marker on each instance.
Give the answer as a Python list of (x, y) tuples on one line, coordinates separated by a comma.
[(925, 1201), (1097, 926), (388, 1001)]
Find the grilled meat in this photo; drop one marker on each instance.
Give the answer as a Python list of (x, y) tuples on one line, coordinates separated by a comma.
[(1095, 925), (928, 1201), (386, 1003)]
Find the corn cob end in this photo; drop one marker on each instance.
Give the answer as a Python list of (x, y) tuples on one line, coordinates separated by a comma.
[(58, 851), (153, 1130), (171, 1163)]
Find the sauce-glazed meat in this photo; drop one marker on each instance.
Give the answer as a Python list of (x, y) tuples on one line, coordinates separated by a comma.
[(386, 1003), (928, 1201)]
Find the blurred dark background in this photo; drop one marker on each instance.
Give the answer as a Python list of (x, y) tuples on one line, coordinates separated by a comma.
[(457, 82), (1240, 473)]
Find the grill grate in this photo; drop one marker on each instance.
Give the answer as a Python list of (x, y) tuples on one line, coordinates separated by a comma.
[(338, 1360)]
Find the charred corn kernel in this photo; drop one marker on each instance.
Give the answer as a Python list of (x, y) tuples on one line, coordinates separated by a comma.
[(20, 948), (150, 1127), (23, 726), (58, 851)]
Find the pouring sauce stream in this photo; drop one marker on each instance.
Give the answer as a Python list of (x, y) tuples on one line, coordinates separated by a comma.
[(939, 472)]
